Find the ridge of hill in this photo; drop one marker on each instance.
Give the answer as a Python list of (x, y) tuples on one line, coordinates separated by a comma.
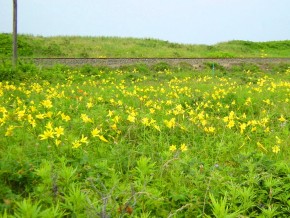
[(117, 47)]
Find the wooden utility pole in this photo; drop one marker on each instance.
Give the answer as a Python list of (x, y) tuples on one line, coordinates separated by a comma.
[(14, 61)]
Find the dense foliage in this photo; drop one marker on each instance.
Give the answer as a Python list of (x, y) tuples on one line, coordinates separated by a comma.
[(144, 142)]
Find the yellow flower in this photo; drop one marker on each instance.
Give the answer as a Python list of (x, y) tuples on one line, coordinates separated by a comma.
[(57, 142), (282, 118), (114, 126), (65, 117), (201, 115), (267, 101), (264, 121), (183, 147), (47, 134), (203, 122), (254, 129), (145, 121), (157, 127), (3, 110), (49, 114), (95, 132), (59, 131), (116, 119), (110, 114), (276, 149), (226, 119), (172, 148), (48, 125), (102, 138), (76, 144), (20, 114), (32, 122), (9, 130), (231, 124), (84, 139), (232, 115), (86, 119), (131, 118), (152, 110), (278, 140), (32, 108), (244, 116), (243, 127), (210, 129), (120, 103), (248, 101), (47, 103), (168, 102), (152, 121), (40, 116), (89, 105), (170, 123)]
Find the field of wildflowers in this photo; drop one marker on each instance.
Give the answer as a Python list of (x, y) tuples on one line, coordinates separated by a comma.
[(122, 143)]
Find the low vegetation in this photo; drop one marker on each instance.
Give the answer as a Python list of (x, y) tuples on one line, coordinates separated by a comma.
[(96, 47), (143, 141)]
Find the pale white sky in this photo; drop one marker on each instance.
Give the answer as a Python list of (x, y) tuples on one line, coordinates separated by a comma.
[(182, 21)]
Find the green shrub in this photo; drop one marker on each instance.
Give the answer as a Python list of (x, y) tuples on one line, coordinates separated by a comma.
[(6, 71), (245, 67), (161, 66)]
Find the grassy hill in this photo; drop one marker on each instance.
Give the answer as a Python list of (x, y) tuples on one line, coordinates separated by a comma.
[(93, 47)]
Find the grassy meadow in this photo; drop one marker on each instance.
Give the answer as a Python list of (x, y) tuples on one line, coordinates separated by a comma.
[(115, 47), (144, 142)]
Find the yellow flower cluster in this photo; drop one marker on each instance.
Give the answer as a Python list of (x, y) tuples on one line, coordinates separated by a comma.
[(182, 148), (52, 132), (115, 107)]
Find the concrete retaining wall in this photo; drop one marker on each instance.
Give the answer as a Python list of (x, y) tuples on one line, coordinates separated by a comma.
[(117, 62)]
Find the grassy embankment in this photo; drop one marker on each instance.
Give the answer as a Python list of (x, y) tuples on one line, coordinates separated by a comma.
[(37, 46)]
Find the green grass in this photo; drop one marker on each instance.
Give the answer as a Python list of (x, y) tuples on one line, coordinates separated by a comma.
[(94, 47), (144, 142)]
